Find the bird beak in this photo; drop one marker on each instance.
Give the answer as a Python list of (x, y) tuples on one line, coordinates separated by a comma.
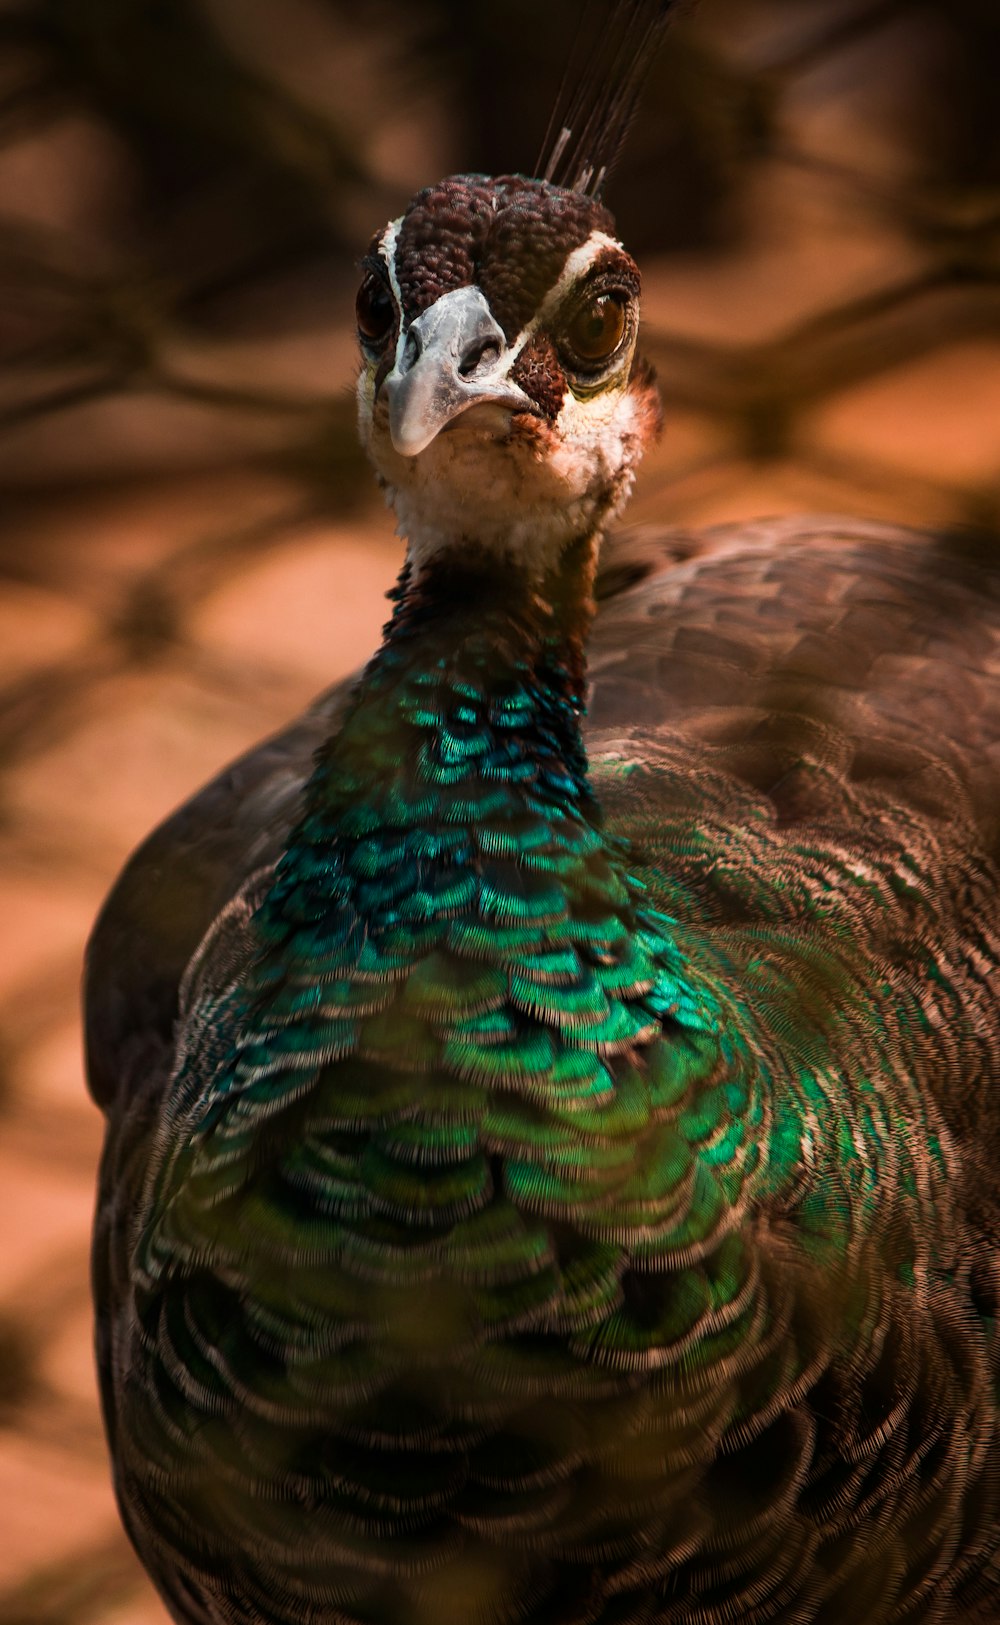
[(455, 355)]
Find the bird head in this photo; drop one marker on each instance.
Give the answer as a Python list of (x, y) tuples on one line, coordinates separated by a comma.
[(500, 396)]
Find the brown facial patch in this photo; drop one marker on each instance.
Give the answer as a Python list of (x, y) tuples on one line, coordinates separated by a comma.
[(539, 373), (509, 235)]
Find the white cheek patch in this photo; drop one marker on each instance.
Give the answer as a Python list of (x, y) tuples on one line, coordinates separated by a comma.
[(596, 444), (591, 429), (518, 498)]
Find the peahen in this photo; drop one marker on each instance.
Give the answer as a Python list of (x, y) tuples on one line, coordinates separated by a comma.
[(553, 1159)]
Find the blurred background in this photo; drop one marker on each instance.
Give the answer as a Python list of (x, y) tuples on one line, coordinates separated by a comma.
[(191, 545)]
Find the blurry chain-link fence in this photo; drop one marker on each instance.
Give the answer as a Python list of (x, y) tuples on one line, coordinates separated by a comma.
[(190, 544)]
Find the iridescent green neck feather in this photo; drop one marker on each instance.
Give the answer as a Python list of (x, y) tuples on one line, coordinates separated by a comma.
[(450, 904)]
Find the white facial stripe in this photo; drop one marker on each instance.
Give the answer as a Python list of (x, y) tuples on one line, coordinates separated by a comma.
[(577, 262), (477, 488), (387, 250)]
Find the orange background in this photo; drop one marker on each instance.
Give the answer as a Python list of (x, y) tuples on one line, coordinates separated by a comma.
[(191, 546)]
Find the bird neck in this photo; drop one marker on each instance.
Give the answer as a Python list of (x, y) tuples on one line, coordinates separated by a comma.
[(477, 691), (492, 603), (452, 816)]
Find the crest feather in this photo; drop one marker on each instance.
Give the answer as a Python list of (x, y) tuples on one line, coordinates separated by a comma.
[(611, 57)]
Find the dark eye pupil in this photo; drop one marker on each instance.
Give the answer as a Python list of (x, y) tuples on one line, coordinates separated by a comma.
[(373, 309), (596, 331)]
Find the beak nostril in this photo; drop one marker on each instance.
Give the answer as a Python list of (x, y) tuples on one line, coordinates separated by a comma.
[(453, 355), (480, 356)]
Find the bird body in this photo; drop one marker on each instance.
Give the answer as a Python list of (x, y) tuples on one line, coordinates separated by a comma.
[(553, 1168)]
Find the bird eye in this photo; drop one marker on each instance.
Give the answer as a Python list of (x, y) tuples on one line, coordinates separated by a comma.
[(597, 329), (373, 309)]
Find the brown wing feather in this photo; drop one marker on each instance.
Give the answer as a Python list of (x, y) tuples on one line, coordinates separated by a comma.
[(816, 702)]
